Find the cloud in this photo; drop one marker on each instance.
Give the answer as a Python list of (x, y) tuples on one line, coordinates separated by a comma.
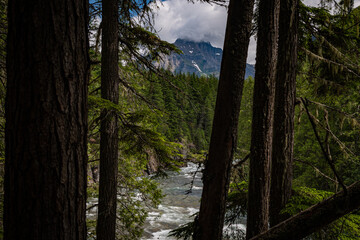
[(315, 3), (199, 22), (194, 21), (251, 51)]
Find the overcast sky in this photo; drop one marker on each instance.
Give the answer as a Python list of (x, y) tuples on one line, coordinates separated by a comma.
[(199, 22)]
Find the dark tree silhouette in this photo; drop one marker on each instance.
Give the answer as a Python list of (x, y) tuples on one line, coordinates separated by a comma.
[(262, 121), (106, 224), (224, 132), (46, 120), (282, 156)]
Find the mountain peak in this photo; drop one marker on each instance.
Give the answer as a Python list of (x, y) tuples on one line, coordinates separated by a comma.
[(200, 58)]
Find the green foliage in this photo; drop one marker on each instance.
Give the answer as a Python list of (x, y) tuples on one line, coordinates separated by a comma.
[(245, 119), (336, 118), (139, 143), (237, 201), (188, 103), (304, 197), (346, 227), (329, 78), (185, 231), (137, 41), (198, 157), (161, 116), (140, 139), (237, 197), (138, 36), (329, 44), (135, 194)]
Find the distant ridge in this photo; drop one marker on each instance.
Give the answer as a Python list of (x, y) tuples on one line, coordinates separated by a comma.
[(200, 58)]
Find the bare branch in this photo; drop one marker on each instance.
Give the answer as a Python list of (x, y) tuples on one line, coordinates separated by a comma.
[(331, 164), (317, 170)]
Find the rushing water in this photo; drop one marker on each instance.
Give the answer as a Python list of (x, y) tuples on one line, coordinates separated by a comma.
[(177, 207)]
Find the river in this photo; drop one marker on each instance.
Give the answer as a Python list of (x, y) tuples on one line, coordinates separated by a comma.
[(177, 207)]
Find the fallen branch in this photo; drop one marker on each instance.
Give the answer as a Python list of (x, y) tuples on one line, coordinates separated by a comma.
[(241, 161), (316, 217)]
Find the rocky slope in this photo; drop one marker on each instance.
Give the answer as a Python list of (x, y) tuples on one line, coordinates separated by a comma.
[(200, 58)]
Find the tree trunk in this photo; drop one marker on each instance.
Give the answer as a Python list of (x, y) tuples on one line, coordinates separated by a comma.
[(282, 156), (262, 121), (46, 120), (224, 132), (106, 224), (3, 33), (315, 217)]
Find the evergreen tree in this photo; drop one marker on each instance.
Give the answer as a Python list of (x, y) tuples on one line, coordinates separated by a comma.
[(109, 137), (330, 71), (224, 133), (117, 122), (262, 120), (46, 120), (283, 136), (3, 34)]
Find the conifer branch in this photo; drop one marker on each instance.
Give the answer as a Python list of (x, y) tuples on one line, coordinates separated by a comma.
[(330, 62), (331, 164), (328, 130), (338, 54), (317, 170), (334, 109)]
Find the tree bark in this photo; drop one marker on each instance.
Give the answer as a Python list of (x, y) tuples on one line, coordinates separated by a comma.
[(262, 121), (3, 33), (282, 156), (315, 217), (46, 120), (224, 132), (106, 224)]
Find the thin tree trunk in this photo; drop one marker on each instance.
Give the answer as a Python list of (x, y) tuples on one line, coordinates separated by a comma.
[(46, 120), (224, 133), (263, 107), (282, 156), (106, 224), (315, 217)]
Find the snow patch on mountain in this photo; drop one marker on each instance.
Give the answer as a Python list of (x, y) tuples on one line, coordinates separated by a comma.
[(200, 58), (196, 66)]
